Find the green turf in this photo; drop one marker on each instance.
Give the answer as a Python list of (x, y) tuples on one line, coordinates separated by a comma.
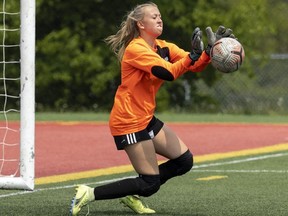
[(168, 117), (172, 117), (256, 187)]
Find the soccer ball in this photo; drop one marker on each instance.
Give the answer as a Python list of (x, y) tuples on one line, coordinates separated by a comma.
[(227, 55)]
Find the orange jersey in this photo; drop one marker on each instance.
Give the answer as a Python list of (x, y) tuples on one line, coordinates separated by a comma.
[(134, 102)]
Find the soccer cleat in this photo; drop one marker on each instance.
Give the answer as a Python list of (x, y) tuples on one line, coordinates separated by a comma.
[(134, 203), (83, 196)]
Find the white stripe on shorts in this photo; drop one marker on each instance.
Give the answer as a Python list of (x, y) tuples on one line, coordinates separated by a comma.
[(131, 138)]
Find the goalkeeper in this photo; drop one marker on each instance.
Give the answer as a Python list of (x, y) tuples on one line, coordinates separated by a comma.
[(146, 62)]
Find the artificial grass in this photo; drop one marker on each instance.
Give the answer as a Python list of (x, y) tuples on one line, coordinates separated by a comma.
[(257, 187)]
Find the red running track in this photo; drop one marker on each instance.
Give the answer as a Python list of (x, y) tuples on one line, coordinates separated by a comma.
[(85, 146), (73, 147)]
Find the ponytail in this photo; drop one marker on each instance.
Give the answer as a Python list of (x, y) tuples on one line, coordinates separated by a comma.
[(128, 30)]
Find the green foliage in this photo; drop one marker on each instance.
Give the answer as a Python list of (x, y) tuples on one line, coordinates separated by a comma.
[(249, 20), (76, 70), (67, 68), (10, 52), (278, 16)]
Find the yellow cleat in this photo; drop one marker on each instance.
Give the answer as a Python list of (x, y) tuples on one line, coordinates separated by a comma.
[(134, 203), (83, 196)]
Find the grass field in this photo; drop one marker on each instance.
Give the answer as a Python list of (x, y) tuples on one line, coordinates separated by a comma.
[(171, 117), (253, 184), (250, 185)]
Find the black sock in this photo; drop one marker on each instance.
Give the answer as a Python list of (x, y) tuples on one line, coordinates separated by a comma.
[(117, 189), (176, 167), (144, 185)]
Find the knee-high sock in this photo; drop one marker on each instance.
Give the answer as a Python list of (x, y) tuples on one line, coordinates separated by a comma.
[(144, 185), (176, 167)]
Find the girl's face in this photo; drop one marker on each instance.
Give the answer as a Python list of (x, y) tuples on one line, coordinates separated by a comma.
[(152, 23)]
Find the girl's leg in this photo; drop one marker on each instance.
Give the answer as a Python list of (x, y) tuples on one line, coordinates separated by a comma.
[(143, 158), (169, 145)]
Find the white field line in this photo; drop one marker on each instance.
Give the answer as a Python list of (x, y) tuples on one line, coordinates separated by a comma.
[(195, 169), (240, 160), (60, 187), (243, 171)]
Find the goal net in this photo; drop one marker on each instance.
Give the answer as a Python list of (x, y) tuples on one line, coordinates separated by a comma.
[(17, 94)]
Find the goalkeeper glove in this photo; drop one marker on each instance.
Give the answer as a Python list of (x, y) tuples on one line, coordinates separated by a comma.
[(213, 37), (196, 44)]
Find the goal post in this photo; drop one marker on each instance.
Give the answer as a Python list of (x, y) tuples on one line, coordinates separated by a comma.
[(27, 101)]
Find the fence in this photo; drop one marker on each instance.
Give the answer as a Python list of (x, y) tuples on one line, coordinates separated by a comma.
[(266, 92)]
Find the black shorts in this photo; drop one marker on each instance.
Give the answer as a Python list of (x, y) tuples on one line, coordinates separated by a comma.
[(149, 132)]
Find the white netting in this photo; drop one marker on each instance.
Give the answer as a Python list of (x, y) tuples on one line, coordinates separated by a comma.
[(9, 88)]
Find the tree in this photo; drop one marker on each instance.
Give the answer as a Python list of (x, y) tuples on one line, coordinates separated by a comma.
[(77, 71)]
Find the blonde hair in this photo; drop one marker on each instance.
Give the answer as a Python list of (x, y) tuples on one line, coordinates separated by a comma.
[(128, 30)]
